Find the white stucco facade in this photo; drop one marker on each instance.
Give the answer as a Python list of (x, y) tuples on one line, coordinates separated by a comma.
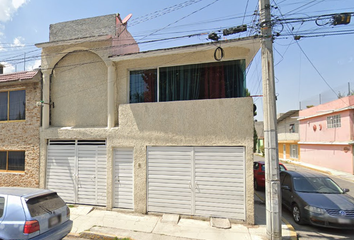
[(90, 91)]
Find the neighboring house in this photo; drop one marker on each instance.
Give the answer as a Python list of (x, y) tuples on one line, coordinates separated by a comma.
[(166, 131), (326, 135), (288, 135), (19, 127), (259, 125)]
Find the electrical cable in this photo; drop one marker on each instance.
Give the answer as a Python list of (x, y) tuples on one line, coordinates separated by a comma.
[(180, 19)]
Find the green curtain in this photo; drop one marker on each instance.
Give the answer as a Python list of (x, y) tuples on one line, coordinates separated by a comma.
[(202, 81)]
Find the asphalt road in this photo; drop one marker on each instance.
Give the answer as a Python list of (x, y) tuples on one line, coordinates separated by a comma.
[(311, 232)]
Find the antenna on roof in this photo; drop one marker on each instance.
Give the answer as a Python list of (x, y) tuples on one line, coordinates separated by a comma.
[(126, 19)]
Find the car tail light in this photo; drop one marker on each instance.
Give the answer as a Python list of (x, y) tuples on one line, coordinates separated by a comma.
[(67, 212), (31, 227)]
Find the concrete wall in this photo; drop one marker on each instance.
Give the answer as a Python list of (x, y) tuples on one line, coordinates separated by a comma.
[(79, 91), (329, 156), (328, 147), (23, 136), (316, 130), (337, 104), (182, 123), (89, 27), (288, 150), (284, 133)]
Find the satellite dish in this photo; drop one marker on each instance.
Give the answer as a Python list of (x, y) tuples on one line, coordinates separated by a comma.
[(126, 19)]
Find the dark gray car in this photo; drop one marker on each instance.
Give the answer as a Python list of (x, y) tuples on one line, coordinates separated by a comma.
[(32, 213), (316, 199)]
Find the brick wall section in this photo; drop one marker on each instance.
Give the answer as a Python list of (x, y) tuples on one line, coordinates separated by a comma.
[(23, 136)]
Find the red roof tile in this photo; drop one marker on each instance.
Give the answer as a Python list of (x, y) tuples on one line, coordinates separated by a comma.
[(18, 76)]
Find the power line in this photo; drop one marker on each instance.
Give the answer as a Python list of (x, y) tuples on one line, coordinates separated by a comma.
[(180, 19)]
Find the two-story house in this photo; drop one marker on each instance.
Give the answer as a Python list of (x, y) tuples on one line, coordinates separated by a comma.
[(19, 126), (166, 131), (327, 135), (288, 135)]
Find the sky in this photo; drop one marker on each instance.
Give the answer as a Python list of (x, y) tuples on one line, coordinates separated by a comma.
[(308, 71)]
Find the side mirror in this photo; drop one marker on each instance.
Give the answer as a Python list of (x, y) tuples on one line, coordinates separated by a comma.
[(345, 190), (285, 187)]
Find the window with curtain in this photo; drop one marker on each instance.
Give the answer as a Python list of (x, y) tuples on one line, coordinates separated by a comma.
[(12, 160), (189, 82), (143, 86), (13, 105)]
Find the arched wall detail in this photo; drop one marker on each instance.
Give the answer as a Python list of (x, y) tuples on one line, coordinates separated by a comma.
[(78, 88)]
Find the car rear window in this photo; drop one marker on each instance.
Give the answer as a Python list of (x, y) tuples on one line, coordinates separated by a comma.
[(44, 204), (2, 205)]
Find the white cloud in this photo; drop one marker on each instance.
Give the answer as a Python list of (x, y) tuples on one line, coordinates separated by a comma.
[(18, 3), (9, 7), (9, 68), (18, 42), (33, 65)]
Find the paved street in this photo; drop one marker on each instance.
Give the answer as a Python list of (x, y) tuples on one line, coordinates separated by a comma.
[(311, 232)]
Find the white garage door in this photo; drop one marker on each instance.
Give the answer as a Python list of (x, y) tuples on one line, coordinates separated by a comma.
[(123, 178), (204, 181), (77, 171)]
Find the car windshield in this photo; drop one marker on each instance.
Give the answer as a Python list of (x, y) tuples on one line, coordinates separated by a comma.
[(323, 185), (281, 168)]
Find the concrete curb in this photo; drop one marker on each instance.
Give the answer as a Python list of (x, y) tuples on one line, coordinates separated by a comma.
[(96, 236), (293, 234), (306, 166)]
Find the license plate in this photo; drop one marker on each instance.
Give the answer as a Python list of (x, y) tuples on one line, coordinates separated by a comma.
[(344, 221), (54, 221)]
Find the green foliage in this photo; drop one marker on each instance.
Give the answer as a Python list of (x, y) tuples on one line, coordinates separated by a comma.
[(262, 150), (255, 140)]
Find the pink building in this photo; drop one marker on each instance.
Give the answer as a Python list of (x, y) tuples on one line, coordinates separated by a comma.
[(326, 135)]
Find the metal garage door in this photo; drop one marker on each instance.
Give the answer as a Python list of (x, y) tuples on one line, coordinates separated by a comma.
[(123, 178), (204, 181), (77, 171), (169, 179)]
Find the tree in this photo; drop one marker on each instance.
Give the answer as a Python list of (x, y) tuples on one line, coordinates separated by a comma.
[(248, 94), (255, 136)]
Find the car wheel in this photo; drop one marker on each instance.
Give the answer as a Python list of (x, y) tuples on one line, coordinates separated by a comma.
[(255, 184), (297, 215)]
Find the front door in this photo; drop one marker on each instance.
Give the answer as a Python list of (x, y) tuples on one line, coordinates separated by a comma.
[(123, 178)]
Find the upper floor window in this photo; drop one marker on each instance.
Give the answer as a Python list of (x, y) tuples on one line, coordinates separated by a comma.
[(334, 121), (188, 82), (12, 105), (12, 160), (292, 128)]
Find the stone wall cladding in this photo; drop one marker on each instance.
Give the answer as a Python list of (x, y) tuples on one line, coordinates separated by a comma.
[(23, 136)]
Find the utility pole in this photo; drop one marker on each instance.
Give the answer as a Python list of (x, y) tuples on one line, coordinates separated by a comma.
[(272, 183)]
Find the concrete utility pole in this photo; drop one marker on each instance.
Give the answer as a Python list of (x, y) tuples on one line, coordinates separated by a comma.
[(272, 183)]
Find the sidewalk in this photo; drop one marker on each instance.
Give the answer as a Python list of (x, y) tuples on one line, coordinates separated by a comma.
[(100, 224), (343, 175), (93, 223)]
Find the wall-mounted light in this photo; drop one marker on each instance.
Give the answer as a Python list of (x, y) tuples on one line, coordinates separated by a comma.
[(41, 103)]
